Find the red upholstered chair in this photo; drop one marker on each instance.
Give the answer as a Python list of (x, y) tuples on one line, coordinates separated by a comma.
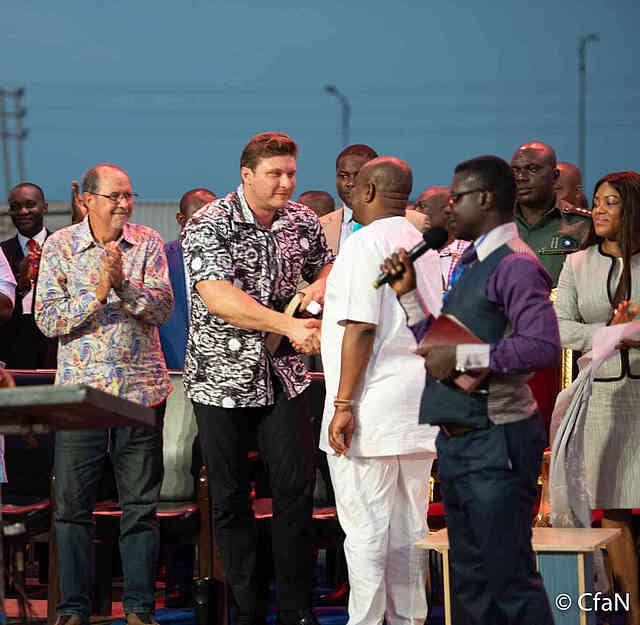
[(21, 525)]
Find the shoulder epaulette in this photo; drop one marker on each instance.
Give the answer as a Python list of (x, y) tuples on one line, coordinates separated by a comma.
[(570, 209)]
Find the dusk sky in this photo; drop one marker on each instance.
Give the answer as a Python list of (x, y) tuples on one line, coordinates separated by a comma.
[(172, 91)]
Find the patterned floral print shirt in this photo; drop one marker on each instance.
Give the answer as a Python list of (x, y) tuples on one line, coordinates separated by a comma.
[(229, 366), (449, 256), (114, 346)]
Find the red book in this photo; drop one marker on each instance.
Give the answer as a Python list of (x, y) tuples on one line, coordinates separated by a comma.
[(448, 330)]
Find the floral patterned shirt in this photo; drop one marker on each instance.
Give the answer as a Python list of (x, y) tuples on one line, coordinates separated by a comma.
[(113, 346), (449, 256), (229, 366)]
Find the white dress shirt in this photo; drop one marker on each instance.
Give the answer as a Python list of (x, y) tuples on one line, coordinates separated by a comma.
[(7, 281), (346, 229)]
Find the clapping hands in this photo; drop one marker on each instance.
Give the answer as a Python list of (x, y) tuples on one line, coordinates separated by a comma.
[(111, 275), (28, 268), (625, 312)]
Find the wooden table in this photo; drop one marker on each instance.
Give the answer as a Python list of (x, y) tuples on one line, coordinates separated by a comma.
[(565, 561)]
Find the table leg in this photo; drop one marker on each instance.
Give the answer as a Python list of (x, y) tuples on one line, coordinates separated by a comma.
[(581, 586), (447, 587), (3, 614)]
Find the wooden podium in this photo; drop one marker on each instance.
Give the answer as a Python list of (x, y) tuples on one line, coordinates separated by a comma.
[(41, 409)]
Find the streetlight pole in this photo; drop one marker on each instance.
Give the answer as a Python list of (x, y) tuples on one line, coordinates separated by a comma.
[(21, 134), (582, 101), (346, 112)]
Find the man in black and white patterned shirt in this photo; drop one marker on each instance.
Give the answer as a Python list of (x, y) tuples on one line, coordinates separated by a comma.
[(245, 256)]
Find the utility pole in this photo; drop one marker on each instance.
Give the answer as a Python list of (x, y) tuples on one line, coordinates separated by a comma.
[(582, 101), (5, 142), (19, 135)]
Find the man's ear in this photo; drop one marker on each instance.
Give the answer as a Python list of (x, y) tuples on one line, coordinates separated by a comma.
[(486, 200), (87, 200), (45, 208), (180, 219), (246, 173), (556, 173), (370, 193)]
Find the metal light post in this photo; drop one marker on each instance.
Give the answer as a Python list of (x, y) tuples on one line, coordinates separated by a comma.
[(582, 101), (346, 112), (21, 134)]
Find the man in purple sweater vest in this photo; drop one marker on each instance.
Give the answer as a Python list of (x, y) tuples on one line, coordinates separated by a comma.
[(491, 441)]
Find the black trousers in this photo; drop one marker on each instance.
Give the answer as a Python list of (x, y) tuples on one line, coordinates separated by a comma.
[(488, 480), (285, 445)]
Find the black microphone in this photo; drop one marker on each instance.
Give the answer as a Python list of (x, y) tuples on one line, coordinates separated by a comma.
[(434, 238)]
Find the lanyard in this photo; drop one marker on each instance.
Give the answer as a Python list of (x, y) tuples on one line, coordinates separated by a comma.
[(462, 266)]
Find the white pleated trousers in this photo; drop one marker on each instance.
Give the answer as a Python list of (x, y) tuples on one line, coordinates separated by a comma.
[(382, 508)]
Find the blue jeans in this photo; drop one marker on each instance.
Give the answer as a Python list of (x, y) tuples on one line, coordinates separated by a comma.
[(136, 455)]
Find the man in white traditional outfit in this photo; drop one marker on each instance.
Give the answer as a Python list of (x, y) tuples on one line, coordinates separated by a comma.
[(380, 458)]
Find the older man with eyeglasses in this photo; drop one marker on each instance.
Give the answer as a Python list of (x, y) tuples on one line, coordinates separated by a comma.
[(104, 290)]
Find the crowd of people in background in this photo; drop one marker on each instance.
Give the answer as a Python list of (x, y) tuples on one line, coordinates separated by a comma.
[(106, 303)]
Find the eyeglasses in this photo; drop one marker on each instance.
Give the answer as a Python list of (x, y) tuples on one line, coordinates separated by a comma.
[(455, 197), (114, 197)]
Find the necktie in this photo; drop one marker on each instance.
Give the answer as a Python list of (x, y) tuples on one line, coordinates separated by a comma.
[(470, 255), (35, 259)]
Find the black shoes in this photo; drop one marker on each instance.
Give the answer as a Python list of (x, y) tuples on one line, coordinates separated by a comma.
[(296, 617)]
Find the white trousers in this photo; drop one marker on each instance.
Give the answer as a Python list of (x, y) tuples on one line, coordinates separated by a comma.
[(382, 508)]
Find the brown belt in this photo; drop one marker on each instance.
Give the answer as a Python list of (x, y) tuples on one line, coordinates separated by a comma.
[(451, 429)]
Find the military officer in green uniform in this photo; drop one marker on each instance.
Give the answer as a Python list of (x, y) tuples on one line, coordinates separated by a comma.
[(551, 227)]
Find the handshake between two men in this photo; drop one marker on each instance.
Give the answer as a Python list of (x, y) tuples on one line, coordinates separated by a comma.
[(305, 332)]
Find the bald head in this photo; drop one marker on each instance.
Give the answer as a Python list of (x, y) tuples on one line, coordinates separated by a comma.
[(391, 176), (91, 180), (320, 202), (382, 189), (192, 201), (541, 150), (535, 171), (432, 202), (431, 192), (568, 183)]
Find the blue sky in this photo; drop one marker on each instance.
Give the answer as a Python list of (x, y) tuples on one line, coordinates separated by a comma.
[(172, 91)]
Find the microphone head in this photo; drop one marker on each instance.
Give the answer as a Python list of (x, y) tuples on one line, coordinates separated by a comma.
[(435, 238)]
